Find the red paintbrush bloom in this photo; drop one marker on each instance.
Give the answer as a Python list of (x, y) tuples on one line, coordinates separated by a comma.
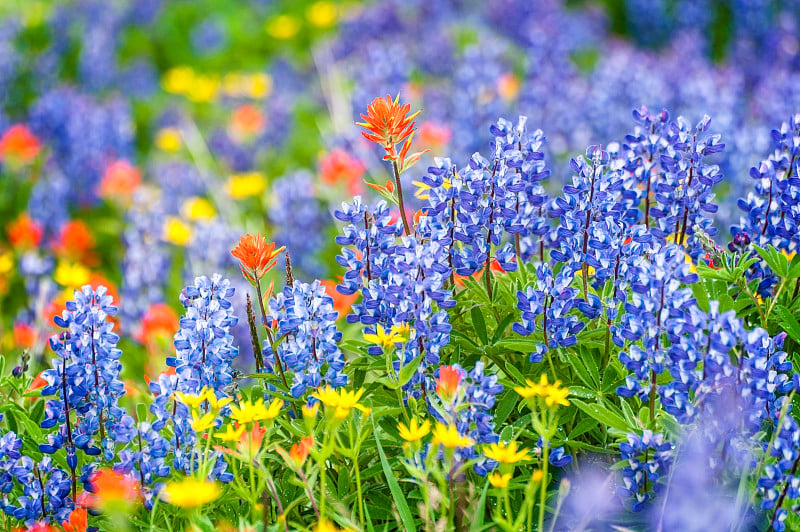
[(78, 521), (387, 123), (75, 241), (112, 489), (24, 335), (448, 381), (300, 451), (19, 143), (159, 319), (339, 166), (256, 256), (341, 302), (24, 233), (119, 180)]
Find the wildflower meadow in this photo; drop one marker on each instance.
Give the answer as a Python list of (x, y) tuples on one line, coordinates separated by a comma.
[(457, 265)]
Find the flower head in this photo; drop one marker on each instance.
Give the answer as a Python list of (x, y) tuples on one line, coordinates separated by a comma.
[(246, 185), (19, 143), (553, 394), (256, 256), (119, 180), (505, 453), (449, 437), (190, 492), (78, 521), (387, 124), (248, 412), (448, 381), (340, 402), (385, 338), (24, 233), (300, 451), (113, 490), (231, 433), (499, 481), (414, 431)]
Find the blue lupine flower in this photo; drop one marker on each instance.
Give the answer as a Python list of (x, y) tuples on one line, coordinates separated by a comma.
[(648, 459), (307, 320)]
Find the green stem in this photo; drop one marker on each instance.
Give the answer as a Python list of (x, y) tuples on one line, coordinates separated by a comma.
[(401, 204), (543, 488)]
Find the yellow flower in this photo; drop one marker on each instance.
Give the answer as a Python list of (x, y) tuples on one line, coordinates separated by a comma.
[(178, 80), (414, 432), (385, 338), (246, 185), (202, 424), (448, 436), (341, 402), (71, 275), (326, 526), (195, 208), (203, 90), (190, 492), (321, 14), (499, 481), (402, 329), (193, 401), (6, 262), (176, 231), (505, 453), (217, 404), (310, 411), (537, 475), (169, 139), (231, 433), (423, 191), (283, 27), (553, 394), (248, 412), (260, 85)]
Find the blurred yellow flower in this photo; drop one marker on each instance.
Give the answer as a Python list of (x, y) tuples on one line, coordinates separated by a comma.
[(169, 139), (283, 27), (326, 526), (231, 433), (178, 80), (6, 262), (260, 85), (71, 275), (196, 208), (190, 492), (248, 412), (310, 411), (499, 481), (322, 14), (176, 231), (414, 432), (246, 185), (448, 436), (505, 453), (190, 400), (537, 475), (204, 89)]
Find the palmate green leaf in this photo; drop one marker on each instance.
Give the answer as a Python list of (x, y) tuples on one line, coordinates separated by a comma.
[(788, 322), (602, 414), (397, 493)]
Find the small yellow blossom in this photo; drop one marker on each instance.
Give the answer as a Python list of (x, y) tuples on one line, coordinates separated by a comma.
[(553, 394), (202, 423), (6, 262), (326, 526), (248, 412), (499, 481), (190, 492), (414, 432), (216, 403), (340, 402), (192, 401), (231, 433), (310, 411), (283, 27), (537, 475), (322, 14), (505, 453), (176, 231), (385, 338), (195, 208), (204, 89), (402, 329), (178, 80), (259, 85), (169, 139), (448, 436), (246, 185), (71, 275)]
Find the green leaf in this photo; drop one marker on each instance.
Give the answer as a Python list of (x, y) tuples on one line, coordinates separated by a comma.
[(505, 407), (501, 327), (477, 523), (480, 325), (775, 259), (789, 322), (394, 486), (602, 414), (521, 345), (407, 371)]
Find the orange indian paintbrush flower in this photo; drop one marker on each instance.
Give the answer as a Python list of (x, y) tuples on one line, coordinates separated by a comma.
[(257, 257), (387, 123)]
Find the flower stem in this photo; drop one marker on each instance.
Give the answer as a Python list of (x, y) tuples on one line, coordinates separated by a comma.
[(401, 203), (543, 488)]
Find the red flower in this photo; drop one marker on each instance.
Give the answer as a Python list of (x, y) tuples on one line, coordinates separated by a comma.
[(436, 135), (256, 256), (40, 527), (19, 143), (300, 451), (159, 319), (119, 180), (75, 241), (448, 381), (113, 489), (339, 166), (24, 233), (77, 521), (246, 120), (341, 302), (387, 124), (38, 382), (24, 335)]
